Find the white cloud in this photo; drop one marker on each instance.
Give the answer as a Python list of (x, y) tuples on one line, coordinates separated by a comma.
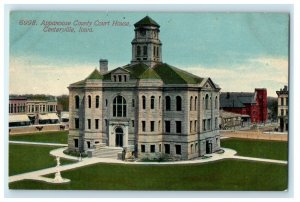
[(26, 76)]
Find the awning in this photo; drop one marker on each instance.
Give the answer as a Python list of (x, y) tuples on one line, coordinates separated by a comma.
[(50, 116), (18, 118)]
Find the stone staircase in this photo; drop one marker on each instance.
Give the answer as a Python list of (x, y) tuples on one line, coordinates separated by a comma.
[(106, 152)]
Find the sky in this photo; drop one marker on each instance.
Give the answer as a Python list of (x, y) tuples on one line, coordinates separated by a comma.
[(238, 51)]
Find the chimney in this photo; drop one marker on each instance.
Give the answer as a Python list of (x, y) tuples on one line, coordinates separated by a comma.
[(103, 66)]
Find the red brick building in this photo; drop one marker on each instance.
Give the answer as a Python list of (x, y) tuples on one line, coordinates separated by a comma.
[(252, 104)]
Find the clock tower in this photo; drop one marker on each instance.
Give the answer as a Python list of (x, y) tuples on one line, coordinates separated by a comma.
[(146, 46)]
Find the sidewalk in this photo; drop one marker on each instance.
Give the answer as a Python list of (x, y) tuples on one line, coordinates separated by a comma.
[(38, 175), (38, 143)]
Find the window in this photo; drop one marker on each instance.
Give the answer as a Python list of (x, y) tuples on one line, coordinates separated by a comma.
[(133, 104), (282, 112), (191, 103), (145, 50), (216, 102), (282, 101), (76, 143), (106, 103), (195, 127), (206, 102), (204, 125), (120, 78), (159, 148), (115, 78), (158, 128), (167, 126), (196, 147), (76, 123), (154, 51), (152, 148), (89, 101), (159, 102), (76, 102), (152, 102), (89, 123), (88, 144), (96, 123), (178, 149), (191, 124), (216, 123), (178, 103), (167, 148), (196, 103), (143, 126), (143, 149), (138, 50), (157, 51), (125, 78), (97, 101), (208, 124), (192, 148), (168, 103), (144, 102), (152, 126), (119, 107), (132, 123), (105, 122), (178, 126)]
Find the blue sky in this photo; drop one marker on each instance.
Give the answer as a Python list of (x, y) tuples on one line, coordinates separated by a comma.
[(239, 51)]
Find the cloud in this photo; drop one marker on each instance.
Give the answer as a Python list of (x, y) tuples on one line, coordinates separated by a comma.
[(260, 72), (30, 75)]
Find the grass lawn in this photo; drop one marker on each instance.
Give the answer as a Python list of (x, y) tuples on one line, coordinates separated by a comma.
[(26, 158), (49, 137), (219, 175), (258, 148)]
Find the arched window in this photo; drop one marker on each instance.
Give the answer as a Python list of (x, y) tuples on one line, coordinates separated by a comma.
[(196, 103), (97, 101), (206, 102), (138, 50), (191, 103), (145, 50), (76, 102), (216, 102), (144, 102), (178, 103), (168, 103), (152, 102), (89, 101), (119, 106)]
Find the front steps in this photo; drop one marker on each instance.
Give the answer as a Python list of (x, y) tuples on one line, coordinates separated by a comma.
[(106, 152)]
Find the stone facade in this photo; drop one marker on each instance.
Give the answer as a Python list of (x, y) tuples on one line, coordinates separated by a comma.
[(148, 108), (283, 109)]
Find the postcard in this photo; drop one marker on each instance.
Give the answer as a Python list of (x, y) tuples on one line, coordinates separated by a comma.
[(185, 101)]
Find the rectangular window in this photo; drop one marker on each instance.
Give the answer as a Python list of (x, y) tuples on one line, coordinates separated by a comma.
[(158, 128), (76, 123), (152, 126), (97, 101), (88, 144), (195, 126), (76, 143), (143, 126), (105, 122), (282, 101), (167, 148), (178, 149), (133, 104), (143, 148), (89, 123), (191, 125), (282, 112), (178, 126), (96, 123), (167, 126), (204, 124), (159, 147), (208, 124), (132, 123), (152, 148)]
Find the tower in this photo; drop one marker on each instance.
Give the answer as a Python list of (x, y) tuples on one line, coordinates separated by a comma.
[(146, 46)]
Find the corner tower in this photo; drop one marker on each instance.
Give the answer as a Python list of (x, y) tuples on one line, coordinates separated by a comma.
[(146, 46)]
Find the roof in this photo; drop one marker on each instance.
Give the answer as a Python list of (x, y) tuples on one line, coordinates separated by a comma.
[(18, 118), (236, 99), (146, 21), (95, 75)]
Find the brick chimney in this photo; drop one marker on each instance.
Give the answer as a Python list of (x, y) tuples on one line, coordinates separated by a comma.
[(103, 66)]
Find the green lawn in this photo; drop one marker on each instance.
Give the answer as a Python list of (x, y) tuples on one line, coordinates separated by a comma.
[(26, 158), (219, 175), (49, 137), (258, 148)]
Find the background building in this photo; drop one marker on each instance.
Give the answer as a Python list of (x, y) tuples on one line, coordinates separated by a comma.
[(255, 105), (147, 108), (283, 109)]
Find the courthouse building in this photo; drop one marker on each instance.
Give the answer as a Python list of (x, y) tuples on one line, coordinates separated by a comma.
[(283, 109), (147, 108)]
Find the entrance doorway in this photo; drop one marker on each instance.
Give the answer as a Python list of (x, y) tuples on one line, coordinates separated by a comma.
[(119, 137), (208, 147)]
